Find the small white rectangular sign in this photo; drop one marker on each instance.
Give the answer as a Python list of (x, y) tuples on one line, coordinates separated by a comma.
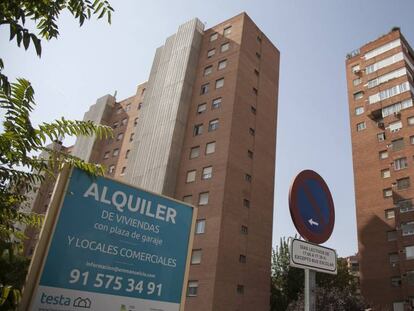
[(307, 255)]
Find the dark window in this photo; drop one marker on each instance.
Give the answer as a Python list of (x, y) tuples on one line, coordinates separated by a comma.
[(204, 89), (403, 183), (198, 129)]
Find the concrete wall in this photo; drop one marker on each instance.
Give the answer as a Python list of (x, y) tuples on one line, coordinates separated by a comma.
[(160, 132), (97, 113)]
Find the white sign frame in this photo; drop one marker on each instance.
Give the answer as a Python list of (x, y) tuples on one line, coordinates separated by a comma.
[(312, 254)]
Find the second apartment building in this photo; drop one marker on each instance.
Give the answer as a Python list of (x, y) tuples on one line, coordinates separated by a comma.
[(381, 92)]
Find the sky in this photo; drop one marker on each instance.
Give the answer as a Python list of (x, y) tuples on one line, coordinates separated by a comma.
[(313, 38)]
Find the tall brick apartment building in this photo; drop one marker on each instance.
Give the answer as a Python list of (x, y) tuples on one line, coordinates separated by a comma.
[(381, 92), (203, 130)]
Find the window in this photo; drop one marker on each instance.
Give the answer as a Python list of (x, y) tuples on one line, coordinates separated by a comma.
[(127, 154), (407, 228), (128, 107), (188, 199), (192, 288), (395, 90), (246, 203), (258, 55), (253, 109), (213, 37), (191, 176), (250, 154), (398, 306), (240, 289), (358, 95), (359, 110), (357, 81), (219, 83), (387, 193), (394, 258), (259, 39), (412, 140), (403, 183), (256, 72), (207, 172), (139, 106), (248, 178), (395, 126), (387, 77), (208, 70), (200, 226), (361, 126), (400, 164), (222, 64), (251, 131), (111, 169), (355, 68), (195, 152), (410, 121), (216, 103), (135, 121), (255, 91), (123, 171), (211, 147), (131, 137), (385, 173), (383, 154), (382, 49), (198, 129), (396, 281), (381, 136), (225, 47), (124, 121), (242, 258), (196, 257), (397, 144), (397, 107), (211, 53), (203, 198), (389, 213), (213, 125), (391, 235), (405, 206), (385, 62), (115, 125), (106, 155), (409, 252), (201, 108), (119, 136), (244, 229), (115, 152), (227, 31), (204, 89)]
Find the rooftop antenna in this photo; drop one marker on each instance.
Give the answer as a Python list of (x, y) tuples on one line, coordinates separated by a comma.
[(115, 93)]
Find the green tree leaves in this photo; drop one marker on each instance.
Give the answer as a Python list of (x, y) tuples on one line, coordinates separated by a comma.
[(20, 169), (44, 15), (334, 292)]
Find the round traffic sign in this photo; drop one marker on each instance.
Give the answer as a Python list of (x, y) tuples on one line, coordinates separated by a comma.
[(311, 207)]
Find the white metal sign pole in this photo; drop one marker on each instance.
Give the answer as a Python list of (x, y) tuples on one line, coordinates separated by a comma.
[(310, 297)]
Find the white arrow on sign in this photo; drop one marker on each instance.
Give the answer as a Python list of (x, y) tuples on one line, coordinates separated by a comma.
[(312, 222)]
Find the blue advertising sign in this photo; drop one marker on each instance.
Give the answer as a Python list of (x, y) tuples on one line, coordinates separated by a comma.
[(311, 207), (115, 247)]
